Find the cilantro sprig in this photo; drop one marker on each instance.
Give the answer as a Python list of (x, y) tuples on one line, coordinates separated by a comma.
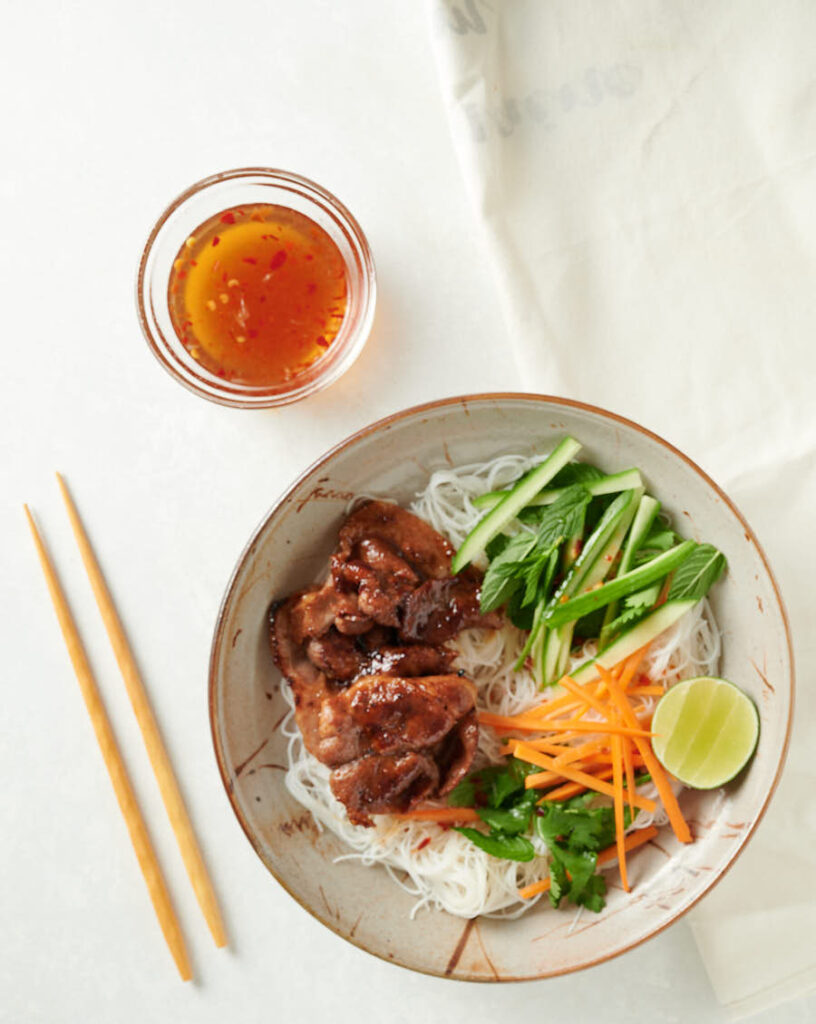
[(573, 830)]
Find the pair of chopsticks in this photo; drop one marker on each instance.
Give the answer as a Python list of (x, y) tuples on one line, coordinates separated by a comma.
[(168, 786)]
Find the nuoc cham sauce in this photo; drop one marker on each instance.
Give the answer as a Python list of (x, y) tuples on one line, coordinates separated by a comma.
[(257, 294)]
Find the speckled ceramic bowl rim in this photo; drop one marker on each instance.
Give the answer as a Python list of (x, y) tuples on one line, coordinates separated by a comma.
[(464, 401)]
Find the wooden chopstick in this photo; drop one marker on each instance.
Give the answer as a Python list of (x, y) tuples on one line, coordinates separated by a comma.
[(128, 805), (156, 750)]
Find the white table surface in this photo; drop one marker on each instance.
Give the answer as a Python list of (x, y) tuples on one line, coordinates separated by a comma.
[(109, 110)]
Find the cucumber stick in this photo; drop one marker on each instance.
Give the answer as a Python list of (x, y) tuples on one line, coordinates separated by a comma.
[(594, 559), (642, 523), (640, 635), (591, 566), (512, 503), (552, 644), (602, 565), (652, 571), (626, 480), (644, 517)]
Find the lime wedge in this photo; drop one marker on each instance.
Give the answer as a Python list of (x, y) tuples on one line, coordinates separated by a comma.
[(706, 731)]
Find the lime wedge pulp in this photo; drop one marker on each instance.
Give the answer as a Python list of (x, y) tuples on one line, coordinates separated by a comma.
[(706, 731)]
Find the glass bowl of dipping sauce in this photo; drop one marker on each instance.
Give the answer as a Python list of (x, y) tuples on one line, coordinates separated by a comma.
[(256, 288)]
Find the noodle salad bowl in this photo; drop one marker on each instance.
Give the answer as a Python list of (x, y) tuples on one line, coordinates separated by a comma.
[(381, 889)]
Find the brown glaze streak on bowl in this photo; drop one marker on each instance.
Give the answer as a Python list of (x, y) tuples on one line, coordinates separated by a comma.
[(363, 905)]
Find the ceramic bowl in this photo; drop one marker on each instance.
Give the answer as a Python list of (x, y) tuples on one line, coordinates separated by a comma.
[(290, 549)]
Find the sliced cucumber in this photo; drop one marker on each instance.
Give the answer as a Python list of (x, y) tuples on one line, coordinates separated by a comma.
[(564, 652), (640, 635), (609, 532), (652, 571), (626, 480), (641, 524), (605, 559), (551, 656), (592, 564), (512, 503)]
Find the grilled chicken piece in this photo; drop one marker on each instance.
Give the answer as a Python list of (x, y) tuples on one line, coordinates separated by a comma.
[(388, 714), (382, 784), (309, 684), (410, 660), (352, 622), (411, 538), (336, 655), (439, 609), (457, 753), (382, 557), (385, 714), (320, 608), (344, 658), (381, 577), (379, 595), (377, 637)]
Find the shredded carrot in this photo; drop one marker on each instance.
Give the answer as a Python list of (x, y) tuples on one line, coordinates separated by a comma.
[(526, 723), (573, 700), (526, 753), (569, 684), (540, 779), (653, 766), (572, 788), (563, 754), (630, 667), (577, 725), (593, 766), (604, 757), (559, 704), (545, 746), (534, 889), (563, 739), (629, 768), (617, 786), (522, 723), (646, 691), (581, 751), (441, 815), (631, 842)]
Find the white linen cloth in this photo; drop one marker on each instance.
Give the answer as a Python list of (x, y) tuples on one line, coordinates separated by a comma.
[(646, 176)]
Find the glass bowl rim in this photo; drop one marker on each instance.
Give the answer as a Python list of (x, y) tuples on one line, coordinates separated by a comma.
[(247, 396)]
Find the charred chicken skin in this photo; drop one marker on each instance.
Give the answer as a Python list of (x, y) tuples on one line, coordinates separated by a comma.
[(375, 697)]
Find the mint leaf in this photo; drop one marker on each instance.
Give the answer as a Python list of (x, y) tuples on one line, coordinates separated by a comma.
[(538, 576), (520, 615), (498, 844), (694, 577), (563, 518), (528, 557), (503, 572), (575, 473)]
